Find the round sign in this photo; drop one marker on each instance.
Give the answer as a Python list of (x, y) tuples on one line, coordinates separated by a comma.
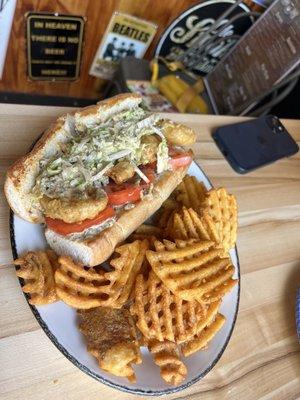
[(181, 39)]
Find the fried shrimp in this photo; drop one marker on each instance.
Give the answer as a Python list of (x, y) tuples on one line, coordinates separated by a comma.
[(150, 146), (121, 172), (73, 210), (178, 135)]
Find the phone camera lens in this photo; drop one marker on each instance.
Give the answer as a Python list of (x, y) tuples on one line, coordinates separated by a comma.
[(276, 125)]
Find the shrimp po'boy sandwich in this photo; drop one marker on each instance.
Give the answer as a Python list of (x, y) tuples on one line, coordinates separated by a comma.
[(95, 176)]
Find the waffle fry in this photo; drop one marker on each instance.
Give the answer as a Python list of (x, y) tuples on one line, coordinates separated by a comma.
[(187, 224), (111, 338), (149, 230), (219, 292), (84, 288), (136, 236), (166, 356), (146, 232), (129, 264), (170, 203), (37, 270), (81, 287), (191, 193), (53, 259), (207, 329), (222, 208), (191, 269), (164, 217), (160, 314)]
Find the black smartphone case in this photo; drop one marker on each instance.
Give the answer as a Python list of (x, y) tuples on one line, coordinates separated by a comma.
[(255, 143)]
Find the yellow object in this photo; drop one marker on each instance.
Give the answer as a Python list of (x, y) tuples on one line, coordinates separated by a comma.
[(172, 66), (184, 97), (154, 68)]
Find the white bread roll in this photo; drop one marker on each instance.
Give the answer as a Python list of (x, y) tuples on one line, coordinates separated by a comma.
[(22, 175), (96, 250)]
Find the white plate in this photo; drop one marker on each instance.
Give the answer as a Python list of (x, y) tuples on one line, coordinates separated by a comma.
[(59, 322)]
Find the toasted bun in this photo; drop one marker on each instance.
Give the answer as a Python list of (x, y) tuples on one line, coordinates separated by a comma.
[(20, 178), (96, 250)]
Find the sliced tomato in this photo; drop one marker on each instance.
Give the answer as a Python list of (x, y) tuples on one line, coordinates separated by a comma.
[(150, 174), (149, 166), (119, 195), (180, 159), (64, 228)]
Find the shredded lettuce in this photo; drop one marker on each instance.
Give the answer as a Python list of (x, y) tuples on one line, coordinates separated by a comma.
[(162, 156), (76, 168)]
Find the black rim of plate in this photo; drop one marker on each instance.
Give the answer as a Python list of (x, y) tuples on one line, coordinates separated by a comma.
[(101, 379)]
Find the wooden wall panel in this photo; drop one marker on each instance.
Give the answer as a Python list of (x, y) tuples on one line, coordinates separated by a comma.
[(97, 13)]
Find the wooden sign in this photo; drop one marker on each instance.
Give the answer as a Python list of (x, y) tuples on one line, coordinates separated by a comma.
[(54, 45), (268, 51)]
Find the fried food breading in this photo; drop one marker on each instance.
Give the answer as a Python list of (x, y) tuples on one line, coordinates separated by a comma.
[(84, 288), (207, 329), (111, 338), (162, 216), (166, 356), (187, 224), (37, 270), (170, 203), (162, 315), (191, 193), (178, 134), (81, 287), (121, 172), (129, 264), (146, 232), (219, 291), (53, 259), (222, 207), (73, 210), (149, 230), (192, 269), (150, 145), (141, 236)]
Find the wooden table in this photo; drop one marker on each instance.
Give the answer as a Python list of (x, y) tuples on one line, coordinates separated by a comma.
[(262, 360)]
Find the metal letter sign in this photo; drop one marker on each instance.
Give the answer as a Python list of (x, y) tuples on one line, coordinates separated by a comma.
[(54, 45)]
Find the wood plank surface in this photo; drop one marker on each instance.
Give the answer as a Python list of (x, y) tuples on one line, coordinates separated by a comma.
[(262, 360)]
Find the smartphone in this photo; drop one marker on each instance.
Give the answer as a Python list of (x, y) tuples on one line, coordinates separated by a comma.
[(252, 144)]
